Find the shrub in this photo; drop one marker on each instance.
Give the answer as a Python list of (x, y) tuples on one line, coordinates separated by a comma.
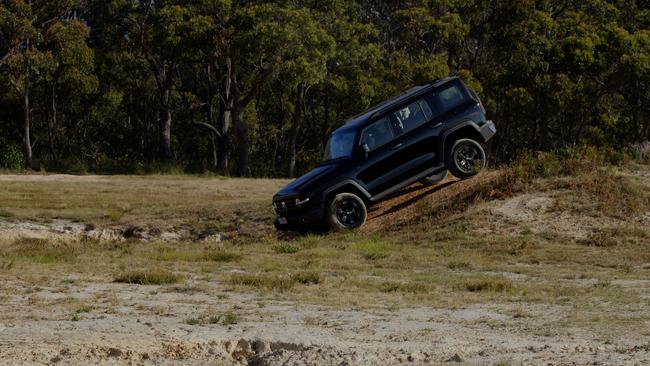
[(11, 157), (285, 248), (307, 278)]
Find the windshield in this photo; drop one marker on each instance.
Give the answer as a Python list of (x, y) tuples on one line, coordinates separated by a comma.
[(340, 145)]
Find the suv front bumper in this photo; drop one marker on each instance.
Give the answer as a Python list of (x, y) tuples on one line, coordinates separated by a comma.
[(488, 130), (304, 221)]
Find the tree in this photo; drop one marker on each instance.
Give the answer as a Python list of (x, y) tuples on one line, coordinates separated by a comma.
[(72, 74), (168, 33), (270, 41), (27, 60)]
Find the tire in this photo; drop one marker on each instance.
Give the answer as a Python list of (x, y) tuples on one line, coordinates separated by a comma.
[(465, 158), (435, 178), (346, 211)]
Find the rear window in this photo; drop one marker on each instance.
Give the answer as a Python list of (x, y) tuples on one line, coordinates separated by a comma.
[(413, 115), (450, 96)]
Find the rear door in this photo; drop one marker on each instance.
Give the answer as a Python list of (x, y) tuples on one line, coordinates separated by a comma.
[(413, 121)]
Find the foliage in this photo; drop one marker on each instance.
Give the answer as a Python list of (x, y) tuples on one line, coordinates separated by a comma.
[(130, 86), (11, 158)]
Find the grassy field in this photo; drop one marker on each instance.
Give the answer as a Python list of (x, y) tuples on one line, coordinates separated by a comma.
[(581, 243), (163, 201)]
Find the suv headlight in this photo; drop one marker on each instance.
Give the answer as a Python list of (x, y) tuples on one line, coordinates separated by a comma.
[(300, 202)]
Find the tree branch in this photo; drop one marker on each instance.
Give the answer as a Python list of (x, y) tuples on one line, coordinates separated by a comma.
[(209, 127)]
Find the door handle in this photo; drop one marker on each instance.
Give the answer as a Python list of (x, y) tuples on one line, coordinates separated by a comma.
[(437, 125), (397, 146)]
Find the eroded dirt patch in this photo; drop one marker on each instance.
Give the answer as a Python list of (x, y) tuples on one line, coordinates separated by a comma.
[(89, 321)]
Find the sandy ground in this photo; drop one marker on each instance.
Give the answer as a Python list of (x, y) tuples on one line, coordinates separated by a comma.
[(149, 326)]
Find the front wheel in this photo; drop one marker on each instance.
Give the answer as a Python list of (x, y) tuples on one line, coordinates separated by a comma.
[(346, 211), (465, 158)]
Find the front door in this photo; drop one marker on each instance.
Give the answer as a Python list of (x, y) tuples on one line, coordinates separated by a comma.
[(382, 164)]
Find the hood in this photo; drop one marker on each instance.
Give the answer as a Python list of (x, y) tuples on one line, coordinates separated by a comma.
[(307, 182)]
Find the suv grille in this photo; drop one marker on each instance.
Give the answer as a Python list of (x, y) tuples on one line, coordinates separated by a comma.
[(285, 206)]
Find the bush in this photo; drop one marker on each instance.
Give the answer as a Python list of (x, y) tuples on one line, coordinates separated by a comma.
[(11, 157)]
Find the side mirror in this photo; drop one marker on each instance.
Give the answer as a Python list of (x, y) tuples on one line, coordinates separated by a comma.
[(363, 150)]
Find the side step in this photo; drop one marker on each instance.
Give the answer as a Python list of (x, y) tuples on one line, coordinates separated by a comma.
[(408, 182)]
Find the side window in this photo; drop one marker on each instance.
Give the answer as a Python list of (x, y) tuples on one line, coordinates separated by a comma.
[(413, 115), (377, 134), (450, 97)]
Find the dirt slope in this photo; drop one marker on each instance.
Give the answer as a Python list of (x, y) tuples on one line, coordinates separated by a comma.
[(414, 201)]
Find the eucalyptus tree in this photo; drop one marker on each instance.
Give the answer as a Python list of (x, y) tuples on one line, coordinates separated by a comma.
[(28, 31), (270, 41), (168, 35)]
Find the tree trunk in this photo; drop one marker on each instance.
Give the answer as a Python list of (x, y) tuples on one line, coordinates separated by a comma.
[(209, 116), (51, 126), (165, 127), (239, 104), (241, 130), (214, 145), (27, 143), (295, 126), (225, 120)]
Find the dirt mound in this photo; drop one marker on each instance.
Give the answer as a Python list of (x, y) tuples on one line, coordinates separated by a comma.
[(412, 202)]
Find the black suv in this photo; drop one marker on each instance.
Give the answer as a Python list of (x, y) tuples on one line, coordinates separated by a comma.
[(417, 136)]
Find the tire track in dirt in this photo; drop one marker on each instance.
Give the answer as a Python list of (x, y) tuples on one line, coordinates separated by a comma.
[(404, 206)]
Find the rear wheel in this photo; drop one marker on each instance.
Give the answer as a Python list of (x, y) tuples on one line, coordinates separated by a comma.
[(435, 178), (465, 158), (346, 211)]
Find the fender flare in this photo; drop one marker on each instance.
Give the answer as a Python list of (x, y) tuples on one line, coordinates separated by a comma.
[(443, 139), (366, 195)]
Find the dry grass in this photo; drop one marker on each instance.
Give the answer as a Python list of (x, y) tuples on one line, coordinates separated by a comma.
[(227, 318), (158, 201), (443, 260)]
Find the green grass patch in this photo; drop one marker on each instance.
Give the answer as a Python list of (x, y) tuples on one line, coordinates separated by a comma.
[(115, 216), (264, 281), (149, 277), (42, 251), (170, 254), (285, 248), (374, 249), (222, 256)]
